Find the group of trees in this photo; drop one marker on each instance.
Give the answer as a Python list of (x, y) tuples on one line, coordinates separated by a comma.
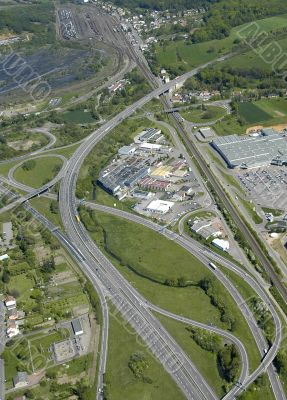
[(210, 288), (229, 78), (161, 5), (29, 165), (229, 362), (206, 340), (37, 19), (228, 357), (223, 15), (135, 88), (138, 365)]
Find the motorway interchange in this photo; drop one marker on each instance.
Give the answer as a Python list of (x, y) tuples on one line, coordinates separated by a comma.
[(110, 285)]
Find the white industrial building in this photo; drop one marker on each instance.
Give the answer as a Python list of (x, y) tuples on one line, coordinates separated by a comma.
[(126, 150), (221, 244), (150, 147), (159, 206)]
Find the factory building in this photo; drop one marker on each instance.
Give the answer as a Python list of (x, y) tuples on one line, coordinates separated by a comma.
[(148, 135), (246, 152), (126, 176), (159, 206), (221, 244)]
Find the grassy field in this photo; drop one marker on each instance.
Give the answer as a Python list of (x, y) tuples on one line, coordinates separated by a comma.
[(199, 115), (250, 209), (260, 389), (252, 60), (78, 117), (43, 172), (232, 181), (122, 384), (229, 126), (173, 54), (145, 258), (43, 205), (107, 199)]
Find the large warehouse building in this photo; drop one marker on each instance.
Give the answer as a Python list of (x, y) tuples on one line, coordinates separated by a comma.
[(267, 148)]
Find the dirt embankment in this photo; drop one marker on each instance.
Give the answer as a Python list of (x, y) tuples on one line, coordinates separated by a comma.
[(278, 128)]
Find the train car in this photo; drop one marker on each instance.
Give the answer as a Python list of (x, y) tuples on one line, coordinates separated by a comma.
[(213, 266)]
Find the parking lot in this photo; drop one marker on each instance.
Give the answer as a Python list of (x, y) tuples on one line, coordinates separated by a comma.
[(267, 186)]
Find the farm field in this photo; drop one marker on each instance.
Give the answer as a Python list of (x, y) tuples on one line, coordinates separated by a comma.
[(44, 170), (252, 114), (271, 111), (275, 107)]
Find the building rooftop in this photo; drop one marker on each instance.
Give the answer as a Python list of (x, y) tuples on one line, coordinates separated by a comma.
[(160, 206), (77, 327), (250, 151)]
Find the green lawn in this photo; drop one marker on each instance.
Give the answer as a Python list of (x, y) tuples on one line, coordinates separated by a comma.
[(145, 258), (122, 384), (203, 214), (265, 112), (66, 151), (102, 197), (75, 366), (5, 168), (199, 115), (232, 181), (43, 172)]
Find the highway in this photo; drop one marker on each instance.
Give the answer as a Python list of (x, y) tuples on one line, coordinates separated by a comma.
[(213, 329), (80, 260), (13, 182), (129, 303), (276, 384), (205, 256), (94, 278), (78, 234), (106, 278)]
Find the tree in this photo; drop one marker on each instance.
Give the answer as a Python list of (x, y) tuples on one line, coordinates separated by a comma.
[(6, 276), (29, 165)]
